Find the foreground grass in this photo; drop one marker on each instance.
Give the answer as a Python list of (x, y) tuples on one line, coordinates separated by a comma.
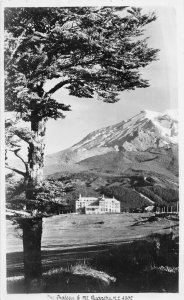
[(83, 278), (69, 279), (148, 265), (140, 251)]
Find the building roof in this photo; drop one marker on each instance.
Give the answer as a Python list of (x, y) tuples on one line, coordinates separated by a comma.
[(108, 199), (88, 198), (97, 199)]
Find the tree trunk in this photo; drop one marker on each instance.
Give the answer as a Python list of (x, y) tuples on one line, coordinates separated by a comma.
[(36, 158), (32, 232), (32, 228)]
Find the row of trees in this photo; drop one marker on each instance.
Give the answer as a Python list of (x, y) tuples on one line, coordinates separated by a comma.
[(93, 51)]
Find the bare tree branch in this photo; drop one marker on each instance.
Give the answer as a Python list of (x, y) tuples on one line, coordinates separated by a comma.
[(21, 158), (12, 212), (24, 135), (41, 34), (19, 42), (58, 86), (15, 170)]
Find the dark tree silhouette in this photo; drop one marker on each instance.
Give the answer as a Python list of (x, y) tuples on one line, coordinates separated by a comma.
[(93, 51)]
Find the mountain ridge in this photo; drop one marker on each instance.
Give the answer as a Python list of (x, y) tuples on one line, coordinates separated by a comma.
[(165, 123), (141, 132)]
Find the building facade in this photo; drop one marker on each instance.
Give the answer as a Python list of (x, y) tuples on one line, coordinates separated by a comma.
[(93, 205)]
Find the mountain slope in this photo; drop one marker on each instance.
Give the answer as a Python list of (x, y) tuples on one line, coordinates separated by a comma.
[(162, 161), (147, 130)]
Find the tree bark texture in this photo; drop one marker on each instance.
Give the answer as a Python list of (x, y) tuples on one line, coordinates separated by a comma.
[(32, 232), (36, 156), (32, 228)]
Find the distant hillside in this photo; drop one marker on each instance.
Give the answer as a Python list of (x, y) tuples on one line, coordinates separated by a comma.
[(134, 189), (161, 160)]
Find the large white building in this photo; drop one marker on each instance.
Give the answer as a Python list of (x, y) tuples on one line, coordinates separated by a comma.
[(93, 205)]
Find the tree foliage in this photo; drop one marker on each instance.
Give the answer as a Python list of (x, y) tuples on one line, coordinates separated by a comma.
[(89, 50), (93, 50), (50, 199)]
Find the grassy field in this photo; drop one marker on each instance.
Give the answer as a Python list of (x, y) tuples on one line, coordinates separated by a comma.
[(72, 230), (138, 251)]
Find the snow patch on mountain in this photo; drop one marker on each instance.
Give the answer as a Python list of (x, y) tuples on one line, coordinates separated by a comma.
[(173, 113), (166, 123), (142, 131)]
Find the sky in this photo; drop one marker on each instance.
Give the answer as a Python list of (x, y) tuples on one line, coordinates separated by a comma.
[(88, 115)]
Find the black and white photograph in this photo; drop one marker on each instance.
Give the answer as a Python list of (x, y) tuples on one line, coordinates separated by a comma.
[(91, 200)]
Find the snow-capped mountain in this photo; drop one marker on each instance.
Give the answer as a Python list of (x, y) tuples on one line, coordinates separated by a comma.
[(135, 160), (144, 131)]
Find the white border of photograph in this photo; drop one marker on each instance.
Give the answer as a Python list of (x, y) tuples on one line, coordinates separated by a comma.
[(179, 6)]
